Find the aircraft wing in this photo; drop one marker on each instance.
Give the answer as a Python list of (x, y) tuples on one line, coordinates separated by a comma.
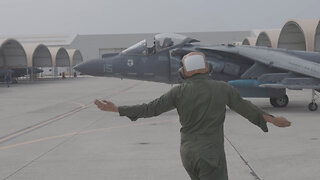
[(276, 68), (294, 83), (304, 63)]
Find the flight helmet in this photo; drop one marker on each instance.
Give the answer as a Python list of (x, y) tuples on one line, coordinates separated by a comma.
[(194, 63)]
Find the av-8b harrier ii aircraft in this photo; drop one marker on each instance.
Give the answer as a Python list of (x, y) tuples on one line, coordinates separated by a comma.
[(17, 72), (254, 71)]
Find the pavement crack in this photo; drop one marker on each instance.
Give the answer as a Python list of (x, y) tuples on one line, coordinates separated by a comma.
[(252, 172)]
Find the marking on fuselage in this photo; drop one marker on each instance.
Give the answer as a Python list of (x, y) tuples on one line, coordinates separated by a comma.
[(130, 62), (132, 74), (108, 68)]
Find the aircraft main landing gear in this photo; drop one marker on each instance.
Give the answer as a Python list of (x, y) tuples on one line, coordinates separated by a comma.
[(279, 101), (313, 105)]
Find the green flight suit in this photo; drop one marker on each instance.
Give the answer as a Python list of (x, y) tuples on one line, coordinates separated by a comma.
[(201, 105)]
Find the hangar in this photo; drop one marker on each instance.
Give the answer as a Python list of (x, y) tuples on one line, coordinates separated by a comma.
[(268, 38), (56, 57), (60, 58), (298, 34), (75, 56), (38, 55), (13, 54), (250, 41), (317, 38)]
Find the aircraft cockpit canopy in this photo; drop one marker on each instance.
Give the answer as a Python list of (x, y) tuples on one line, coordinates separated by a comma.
[(161, 42), (139, 48), (166, 40)]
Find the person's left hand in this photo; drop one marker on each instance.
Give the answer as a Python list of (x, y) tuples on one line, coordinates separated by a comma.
[(105, 105), (277, 121)]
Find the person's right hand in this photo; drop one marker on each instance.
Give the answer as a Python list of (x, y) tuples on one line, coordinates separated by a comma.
[(277, 121), (105, 105)]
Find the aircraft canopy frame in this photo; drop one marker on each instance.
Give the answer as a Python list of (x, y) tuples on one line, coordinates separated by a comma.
[(167, 40), (161, 42), (139, 48)]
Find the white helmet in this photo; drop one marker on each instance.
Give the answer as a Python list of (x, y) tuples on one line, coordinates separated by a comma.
[(194, 63)]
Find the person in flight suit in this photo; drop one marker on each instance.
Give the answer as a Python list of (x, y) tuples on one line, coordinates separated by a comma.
[(201, 105), (8, 79)]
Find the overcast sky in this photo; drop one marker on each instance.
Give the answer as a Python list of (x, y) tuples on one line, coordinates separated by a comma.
[(143, 16)]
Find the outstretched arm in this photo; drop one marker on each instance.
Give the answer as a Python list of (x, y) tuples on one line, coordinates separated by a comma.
[(162, 104), (252, 112)]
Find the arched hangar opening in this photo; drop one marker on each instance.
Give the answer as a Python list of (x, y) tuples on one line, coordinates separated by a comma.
[(13, 54), (61, 60), (298, 35), (292, 37), (317, 38), (2, 63), (249, 41), (268, 38), (13, 59), (39, 57), (75, 59), (42, 57)]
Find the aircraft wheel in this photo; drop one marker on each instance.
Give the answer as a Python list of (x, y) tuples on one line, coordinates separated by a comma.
[(279, 102), (313, 106)]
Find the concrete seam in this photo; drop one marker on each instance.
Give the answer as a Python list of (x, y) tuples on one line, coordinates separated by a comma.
[(36, 126), (253, 173), (53, 148)]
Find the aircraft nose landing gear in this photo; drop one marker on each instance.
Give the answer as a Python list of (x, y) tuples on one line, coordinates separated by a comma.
[(313, 105)]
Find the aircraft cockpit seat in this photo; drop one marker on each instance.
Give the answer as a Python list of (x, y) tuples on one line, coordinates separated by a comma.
[(152, 50), (157, 45), (167, 42)]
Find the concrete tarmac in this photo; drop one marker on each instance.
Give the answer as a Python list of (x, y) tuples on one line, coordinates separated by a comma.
[(51, 130)]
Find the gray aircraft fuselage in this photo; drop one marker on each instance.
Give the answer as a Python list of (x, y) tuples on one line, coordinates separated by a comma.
[(254, 71), (162, 66)]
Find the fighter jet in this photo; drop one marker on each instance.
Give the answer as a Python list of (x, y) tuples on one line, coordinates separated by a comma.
[(18, 72), (254, 71)]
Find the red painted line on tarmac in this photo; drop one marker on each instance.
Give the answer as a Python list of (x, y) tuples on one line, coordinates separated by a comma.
[(81, 132)]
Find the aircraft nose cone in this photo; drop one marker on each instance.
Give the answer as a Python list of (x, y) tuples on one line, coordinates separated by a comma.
[(79, 67), (91, 67)]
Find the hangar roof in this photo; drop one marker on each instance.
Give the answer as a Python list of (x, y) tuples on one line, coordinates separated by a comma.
[(49, 40)]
